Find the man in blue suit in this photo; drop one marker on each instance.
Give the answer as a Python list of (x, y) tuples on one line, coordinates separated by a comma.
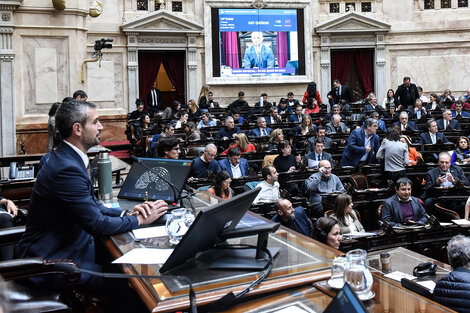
[(237, 167), (363, 144), (262, 130), (258, 55), (295, 219), (402, 207), (459, 112), (446, 122), (432, 136), (405, 124), (64, 215), (297, 116)]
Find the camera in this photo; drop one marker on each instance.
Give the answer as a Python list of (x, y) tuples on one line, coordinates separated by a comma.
[(103, 44)]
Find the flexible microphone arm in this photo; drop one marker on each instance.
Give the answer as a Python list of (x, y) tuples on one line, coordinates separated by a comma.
[(173, 187)]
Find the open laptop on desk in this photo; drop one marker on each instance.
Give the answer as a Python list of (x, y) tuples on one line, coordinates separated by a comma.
[(141, 180)]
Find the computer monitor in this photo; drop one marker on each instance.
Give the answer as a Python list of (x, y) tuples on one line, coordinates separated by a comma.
[(141, 180), (212, 226), (346, 301)]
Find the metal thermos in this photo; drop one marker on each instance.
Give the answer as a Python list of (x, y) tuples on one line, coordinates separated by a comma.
[(105, 177)]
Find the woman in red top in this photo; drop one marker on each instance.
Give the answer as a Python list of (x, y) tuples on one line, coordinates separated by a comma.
[(312, 107), (242, 143), (311, 92)]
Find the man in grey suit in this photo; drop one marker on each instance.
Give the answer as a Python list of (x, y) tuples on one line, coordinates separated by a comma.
[(321, 134), (402, 207), (313, 159), (336, 126)]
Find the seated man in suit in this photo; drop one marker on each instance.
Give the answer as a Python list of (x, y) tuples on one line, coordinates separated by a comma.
[(336, 109), (372, 104), (234, 165), (295, 219), (402, 207), (336, 126), (274, 117), (445, 175), (291, 101), (363, 144), (321, 134), (432, 136), (405, 124), (297, 116), (313, 159), (262, 130), (446, 122), (64, 216), (269, 186), (419, 111), (201, 166), (459, 112), (258, 55), (240, 103), (322, 182), (283, 108)]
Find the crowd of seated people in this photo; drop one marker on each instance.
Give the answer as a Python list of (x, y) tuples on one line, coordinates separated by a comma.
[(325, 139)]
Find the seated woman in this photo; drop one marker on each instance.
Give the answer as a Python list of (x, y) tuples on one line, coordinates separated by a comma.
[(345, 215), (221, 185), (286, 162), (275, 138), (206, 121), (8, 211), (242, 143), (192, 133), (172, 112), (447, 97), (306, 127), (413, 154), (389, 99), (312, 107), (462, 153), (434, 103), (327, 231)]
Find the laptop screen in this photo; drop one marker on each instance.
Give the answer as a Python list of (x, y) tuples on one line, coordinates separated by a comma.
[(141, 180), (346, 301)]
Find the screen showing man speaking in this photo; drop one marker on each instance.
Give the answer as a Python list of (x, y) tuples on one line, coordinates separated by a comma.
[(258, 42)]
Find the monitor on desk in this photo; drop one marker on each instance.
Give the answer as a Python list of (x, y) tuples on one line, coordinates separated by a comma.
[(346, 301), (140, 180), (211, 226)]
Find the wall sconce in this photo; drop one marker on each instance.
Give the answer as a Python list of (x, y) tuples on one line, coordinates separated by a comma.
[(96, 8), (159, 4), (59, 4)]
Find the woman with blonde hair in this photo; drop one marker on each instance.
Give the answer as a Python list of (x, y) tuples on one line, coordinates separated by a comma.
[(275, 138), (203, 99), (242, 143), (192, 107), (447, 96), (306, 127)]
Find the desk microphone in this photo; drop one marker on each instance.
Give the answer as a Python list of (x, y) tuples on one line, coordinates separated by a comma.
[(173, 187)]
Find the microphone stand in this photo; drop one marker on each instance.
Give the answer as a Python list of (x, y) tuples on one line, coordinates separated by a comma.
[(173, 187)]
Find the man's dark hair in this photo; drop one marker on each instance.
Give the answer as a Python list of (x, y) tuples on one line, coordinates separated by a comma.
[(297, 106), (54, 108), (69, 113), (428, 123), (403, 181), (234, 151), (320, 127), (241, 94), (264, 94), (139, 102), (392, 134), (234, 111), (182, 112), (166, 144), (319, 140), (369, 122), (336, 81), (290, 93), (67, 99), (266, 171), (419, 88), (283, 100), (79, 93), (406, 78), (277, 205)]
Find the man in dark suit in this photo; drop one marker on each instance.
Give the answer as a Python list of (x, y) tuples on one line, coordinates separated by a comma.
[(240, 103), (313, 159), (402, 207), (297, 116), (445, 175), (237, 167), (262, 130), (339, 92), (406, 95), (64, 216), (295, 219), (432, 136), (274, 117), (446, 122), (420, 112), (363, 144), (321, 134), (404, 124), (291, 101), (154, 100)]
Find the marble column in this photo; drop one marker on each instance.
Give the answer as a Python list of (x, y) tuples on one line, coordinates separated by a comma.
[(325, 63), (132, 70), (191, 60), (380, 83), (7, 101)]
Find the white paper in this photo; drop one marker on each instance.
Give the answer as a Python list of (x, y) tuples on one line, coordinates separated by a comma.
[(359, 234), (150, 232), (291, 309), (145, 256), (397, 275), (313, 163), (428, 284), (443, 224), (461, 222)]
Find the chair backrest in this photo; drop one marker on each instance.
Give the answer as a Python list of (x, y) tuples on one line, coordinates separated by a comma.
[(195, 151), (359, 181)]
